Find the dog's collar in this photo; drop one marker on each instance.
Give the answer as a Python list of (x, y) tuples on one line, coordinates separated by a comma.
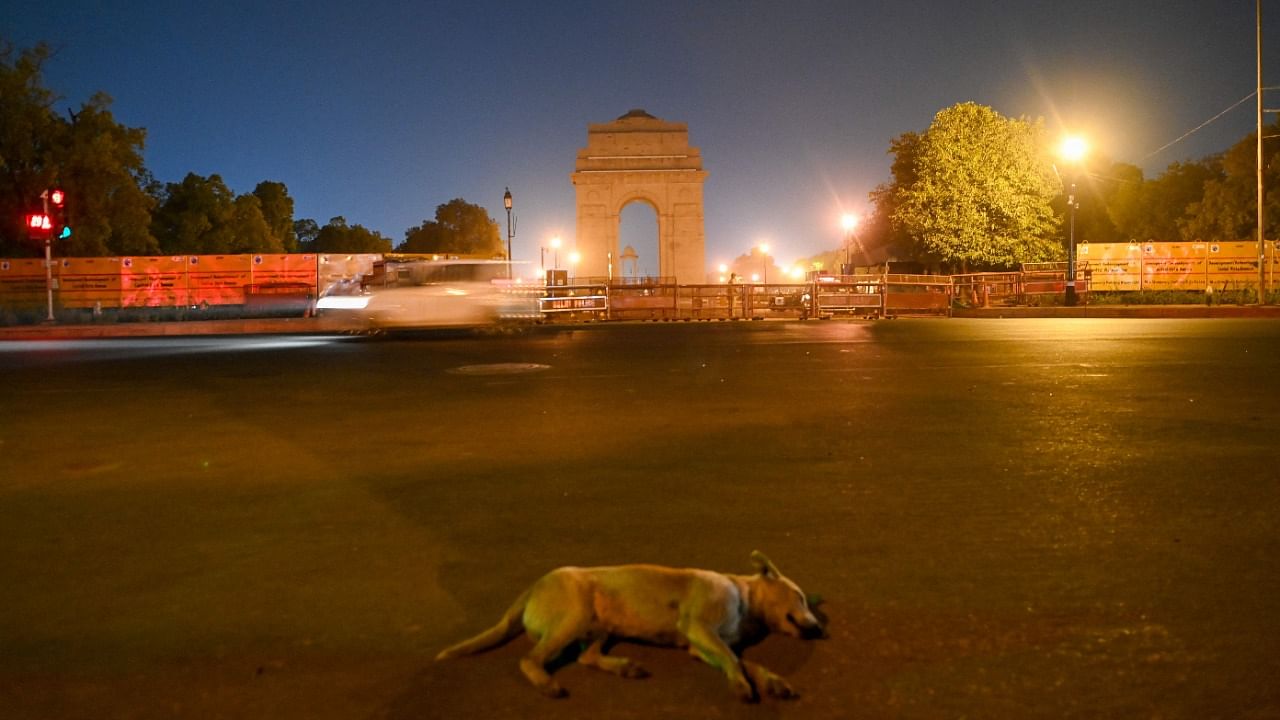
[(743, 585)]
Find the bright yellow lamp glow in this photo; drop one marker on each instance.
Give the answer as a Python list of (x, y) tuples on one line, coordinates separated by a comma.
[(849, 222), (1073, 148)]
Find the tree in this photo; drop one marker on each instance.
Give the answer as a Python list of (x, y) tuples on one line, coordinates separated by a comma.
[(96, 160), (193, 215), (880, 229), (981, 192), (339, 237), (248, 231), (28, 131), (1125, 201), (1167, 201), (1095, 185), (202, 216), (101, 168), (306, 230), (1228, 209), (459, 228), (277, 211)]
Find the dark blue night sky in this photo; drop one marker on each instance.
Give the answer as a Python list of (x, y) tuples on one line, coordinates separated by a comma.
[(381, 111)]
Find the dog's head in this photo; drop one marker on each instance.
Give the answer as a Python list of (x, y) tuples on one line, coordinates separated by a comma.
[(781, 603)]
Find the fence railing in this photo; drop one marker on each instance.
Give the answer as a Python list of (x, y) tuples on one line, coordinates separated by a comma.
[(848, 295)]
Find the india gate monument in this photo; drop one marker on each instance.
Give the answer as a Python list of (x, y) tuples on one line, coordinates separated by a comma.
[(640, 158)]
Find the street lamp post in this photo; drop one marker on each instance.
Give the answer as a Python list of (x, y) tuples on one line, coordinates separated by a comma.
[(1071, 248), (764, 262), (848, 222), (1072, 150), (506, 202), (555, 245)]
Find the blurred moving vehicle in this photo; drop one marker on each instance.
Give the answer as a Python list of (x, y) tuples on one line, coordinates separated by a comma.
[(433, 293)]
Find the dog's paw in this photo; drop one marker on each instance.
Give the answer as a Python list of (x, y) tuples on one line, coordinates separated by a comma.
[(777, 687), (745, 692), (554, 691)]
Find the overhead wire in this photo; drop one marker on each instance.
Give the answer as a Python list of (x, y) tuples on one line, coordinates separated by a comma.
[(1199, 127)]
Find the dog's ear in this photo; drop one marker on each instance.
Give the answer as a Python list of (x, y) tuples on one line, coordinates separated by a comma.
[(763, 565)]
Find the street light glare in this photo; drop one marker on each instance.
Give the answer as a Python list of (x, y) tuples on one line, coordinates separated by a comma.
[(555, 242), (1073, 148), (764, 247), (849, 222)]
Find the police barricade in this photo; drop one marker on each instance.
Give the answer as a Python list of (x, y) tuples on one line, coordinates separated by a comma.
[(644, 299), (582, 299), (855, 295), (986, 289), (1043, 280), (710, 302), (917, 295), (781, 300)]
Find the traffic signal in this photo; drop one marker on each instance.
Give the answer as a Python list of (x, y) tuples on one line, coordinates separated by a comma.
[(56, 206), (39, 226)]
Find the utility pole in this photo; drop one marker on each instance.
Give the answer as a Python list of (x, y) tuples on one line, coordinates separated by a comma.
[(48, 260), (1262, 208)]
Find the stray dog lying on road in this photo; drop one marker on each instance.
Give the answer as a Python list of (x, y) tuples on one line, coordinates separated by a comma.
[(708, 612)]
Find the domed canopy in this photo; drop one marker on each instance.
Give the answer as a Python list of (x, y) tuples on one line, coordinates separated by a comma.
[(637, 113)]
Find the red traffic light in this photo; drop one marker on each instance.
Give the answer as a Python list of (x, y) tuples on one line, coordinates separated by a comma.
[(39, 222), (57, 197)]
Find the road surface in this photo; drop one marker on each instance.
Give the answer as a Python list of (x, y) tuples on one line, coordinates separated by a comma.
[(1004, 518)]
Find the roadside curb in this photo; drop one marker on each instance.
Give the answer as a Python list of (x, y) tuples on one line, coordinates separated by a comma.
[(328, 326), (1124, 311), (277, 326)]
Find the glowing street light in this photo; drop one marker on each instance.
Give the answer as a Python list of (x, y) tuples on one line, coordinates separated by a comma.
[(1072, 150), (555, 245), (764, 261)]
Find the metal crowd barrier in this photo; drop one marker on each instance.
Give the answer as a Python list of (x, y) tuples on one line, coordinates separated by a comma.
[(850, 295)]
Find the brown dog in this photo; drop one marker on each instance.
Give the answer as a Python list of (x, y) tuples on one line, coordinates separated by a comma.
[(707, 612)]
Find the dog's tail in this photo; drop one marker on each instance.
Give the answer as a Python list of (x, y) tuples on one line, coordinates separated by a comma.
[(511, 625)]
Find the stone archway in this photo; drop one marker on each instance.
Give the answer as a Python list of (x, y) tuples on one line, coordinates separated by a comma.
[(639, 157)]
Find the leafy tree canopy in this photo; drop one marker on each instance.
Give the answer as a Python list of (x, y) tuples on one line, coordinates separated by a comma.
[(91, 156), (202, 216), (306, 230), (459, 228), (277, 212), (981, 192), (339, 237), (1228, 208)]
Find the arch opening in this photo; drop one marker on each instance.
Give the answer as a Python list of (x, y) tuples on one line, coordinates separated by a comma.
[(638, 231)]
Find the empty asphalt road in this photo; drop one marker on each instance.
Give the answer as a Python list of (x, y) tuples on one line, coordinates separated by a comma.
[(1004, 518)]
